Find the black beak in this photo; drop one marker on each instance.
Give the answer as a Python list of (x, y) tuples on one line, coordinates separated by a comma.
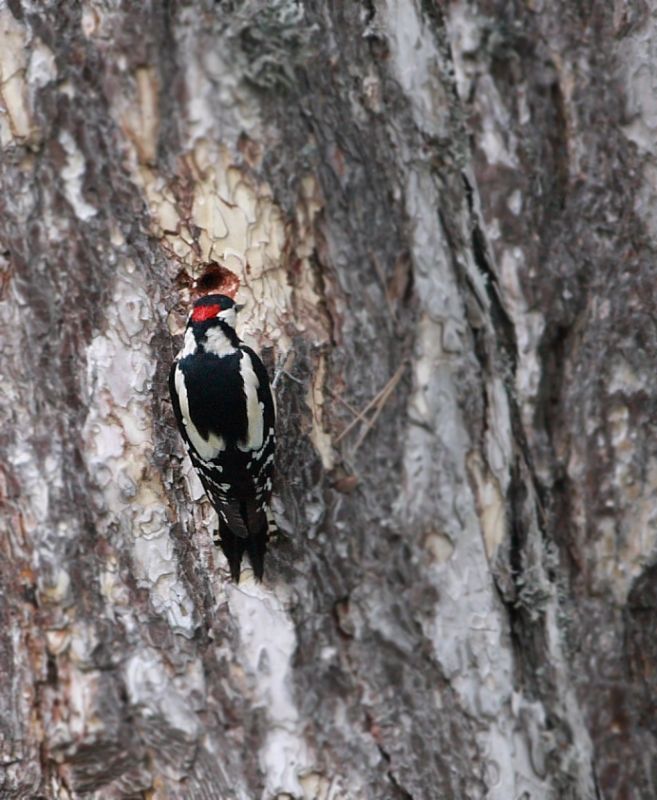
[(238, 306)]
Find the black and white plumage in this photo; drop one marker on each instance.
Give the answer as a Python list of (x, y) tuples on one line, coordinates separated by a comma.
[(226, 415)]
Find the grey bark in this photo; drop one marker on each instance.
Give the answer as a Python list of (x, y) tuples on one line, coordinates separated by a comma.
[(443, 219)]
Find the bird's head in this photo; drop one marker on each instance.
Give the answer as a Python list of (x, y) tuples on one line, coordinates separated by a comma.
[(215, 307)]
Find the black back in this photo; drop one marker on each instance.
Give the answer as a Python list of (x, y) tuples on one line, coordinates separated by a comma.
[(216, 398)]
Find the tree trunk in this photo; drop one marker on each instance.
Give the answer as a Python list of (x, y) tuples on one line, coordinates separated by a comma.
[(442, 215)]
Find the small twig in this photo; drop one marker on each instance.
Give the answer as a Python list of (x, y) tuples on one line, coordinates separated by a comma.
[(388, 390), (287, 375), (280, 370), (382, 395), (347, 405), (361, 415)]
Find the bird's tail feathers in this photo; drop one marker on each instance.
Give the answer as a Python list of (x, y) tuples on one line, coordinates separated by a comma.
[(256, 547), (233, 544), (233, 548)]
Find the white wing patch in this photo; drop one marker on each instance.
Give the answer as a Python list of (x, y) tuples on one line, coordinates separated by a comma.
[(254, 408), (209, 448)]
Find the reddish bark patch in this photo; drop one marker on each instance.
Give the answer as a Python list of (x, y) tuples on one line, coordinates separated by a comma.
[(216, 279)]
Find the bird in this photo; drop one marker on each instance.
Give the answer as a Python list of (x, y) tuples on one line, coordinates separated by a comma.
[(226, 415)]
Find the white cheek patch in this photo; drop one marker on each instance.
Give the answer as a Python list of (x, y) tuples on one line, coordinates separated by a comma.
[(217, 343), (254, 408), (206, 448), (229, 316)]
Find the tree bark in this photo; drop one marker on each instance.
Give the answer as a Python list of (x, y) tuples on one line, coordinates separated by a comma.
[(442, 216)]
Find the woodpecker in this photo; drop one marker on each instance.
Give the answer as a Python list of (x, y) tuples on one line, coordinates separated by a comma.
[(223, 404)]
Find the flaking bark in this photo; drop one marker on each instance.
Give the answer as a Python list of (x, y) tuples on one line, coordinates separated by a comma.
[(442, 218)]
